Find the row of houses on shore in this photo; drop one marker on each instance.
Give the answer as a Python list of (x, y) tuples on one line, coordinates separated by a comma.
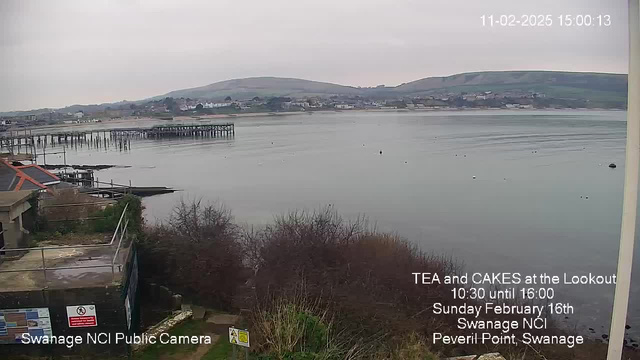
[(506, 99)]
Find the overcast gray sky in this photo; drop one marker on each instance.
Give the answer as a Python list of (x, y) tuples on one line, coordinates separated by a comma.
[(55, 53)]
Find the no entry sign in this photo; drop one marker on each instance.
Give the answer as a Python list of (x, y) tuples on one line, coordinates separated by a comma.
[(82, 316)]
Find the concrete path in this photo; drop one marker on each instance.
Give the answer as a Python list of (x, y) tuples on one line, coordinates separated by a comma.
[(223, 319)]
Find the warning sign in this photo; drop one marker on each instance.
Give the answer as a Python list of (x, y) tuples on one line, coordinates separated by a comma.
[(239, 337), (82, 316)]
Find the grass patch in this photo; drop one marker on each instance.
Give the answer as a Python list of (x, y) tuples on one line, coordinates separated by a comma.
[(189, 327), (221, 350), (72, 238)]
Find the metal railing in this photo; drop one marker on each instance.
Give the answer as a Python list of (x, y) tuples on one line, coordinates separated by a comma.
[(118, 235)]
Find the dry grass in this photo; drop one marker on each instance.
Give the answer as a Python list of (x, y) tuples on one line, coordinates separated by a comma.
[(295, 327), (77, 239), (283, 328), (413, 347)]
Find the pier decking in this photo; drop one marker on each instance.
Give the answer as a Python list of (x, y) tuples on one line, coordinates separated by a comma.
[(9, 141)]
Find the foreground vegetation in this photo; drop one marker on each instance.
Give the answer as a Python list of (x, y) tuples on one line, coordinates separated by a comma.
[(61, 221), (321, 287)]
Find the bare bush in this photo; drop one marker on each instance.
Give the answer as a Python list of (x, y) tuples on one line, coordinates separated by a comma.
[(197, 252), (363, 276)]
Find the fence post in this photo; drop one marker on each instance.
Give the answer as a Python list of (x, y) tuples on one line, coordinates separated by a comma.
[(44, 269)]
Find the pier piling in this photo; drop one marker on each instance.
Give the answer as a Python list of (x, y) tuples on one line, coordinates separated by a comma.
[(120, 137)]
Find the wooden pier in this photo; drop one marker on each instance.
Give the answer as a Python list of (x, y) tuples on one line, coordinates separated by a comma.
[(117, 135), (88, 184), (116, 192), (161, 131)]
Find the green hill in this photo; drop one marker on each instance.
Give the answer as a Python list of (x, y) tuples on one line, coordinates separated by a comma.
[(263, 87), (599, 87)]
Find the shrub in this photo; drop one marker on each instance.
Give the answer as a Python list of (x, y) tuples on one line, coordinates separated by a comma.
[(110, 216), (362, 275), (354, 270), (297, 329), (196, 253)]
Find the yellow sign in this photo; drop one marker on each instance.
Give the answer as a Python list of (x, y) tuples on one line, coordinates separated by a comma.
[(243, 336), (239, 337)]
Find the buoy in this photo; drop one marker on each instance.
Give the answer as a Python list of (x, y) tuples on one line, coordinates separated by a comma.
[(474, 176), (380, 152), (405, 162), (612, 165), (465, 155), (586, 197)]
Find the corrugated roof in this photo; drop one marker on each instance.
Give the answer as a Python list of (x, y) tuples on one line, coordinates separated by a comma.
[(8, 179), (12, 178), (39, 174), (30, 185)]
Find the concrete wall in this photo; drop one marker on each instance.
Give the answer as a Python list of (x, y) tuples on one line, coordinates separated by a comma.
[(12, 225), (12, 231), (110, 311)]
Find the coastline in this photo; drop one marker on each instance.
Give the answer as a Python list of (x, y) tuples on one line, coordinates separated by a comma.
[(183, 118)]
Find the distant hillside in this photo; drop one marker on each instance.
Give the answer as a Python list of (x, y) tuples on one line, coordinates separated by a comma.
[(572, 85), (586, 81), (598, 87), (72, 108), (263, 87), (609, 90)]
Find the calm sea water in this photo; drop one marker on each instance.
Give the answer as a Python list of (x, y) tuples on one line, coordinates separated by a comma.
[(526, 211)]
